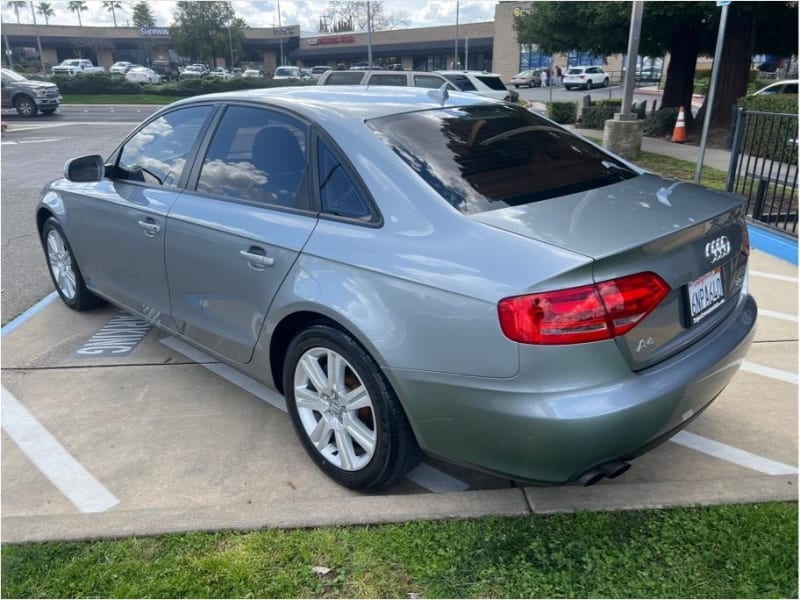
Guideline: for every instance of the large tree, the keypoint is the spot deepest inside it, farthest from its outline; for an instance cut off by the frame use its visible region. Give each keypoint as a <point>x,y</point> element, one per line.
<point>16,5</point>
<point>142,15</point>
<point>77,7</point>
<point>203,30</point>
<point>752,28</point>
<point>46,10</point>
<point>113,6</point>
<point>342,15</point>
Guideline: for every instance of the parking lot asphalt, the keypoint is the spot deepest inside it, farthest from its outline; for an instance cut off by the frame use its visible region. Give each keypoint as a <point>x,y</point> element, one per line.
<point>166,439</point>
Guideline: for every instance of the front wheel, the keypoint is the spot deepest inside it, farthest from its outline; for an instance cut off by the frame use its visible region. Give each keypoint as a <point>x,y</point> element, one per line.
<point>26,107</point>
<point>64,270</point>
<point>346,414</point>
<point>605,82</point>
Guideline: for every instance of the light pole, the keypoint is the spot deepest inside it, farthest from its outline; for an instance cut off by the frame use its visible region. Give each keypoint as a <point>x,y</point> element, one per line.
<point>280,30</point>
<point>369,35</point>
<point>455,45</point>
<point>230,44</point>
<point>712,86</point>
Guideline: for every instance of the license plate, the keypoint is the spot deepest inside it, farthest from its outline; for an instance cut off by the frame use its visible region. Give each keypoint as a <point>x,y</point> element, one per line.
<point>706,295</point>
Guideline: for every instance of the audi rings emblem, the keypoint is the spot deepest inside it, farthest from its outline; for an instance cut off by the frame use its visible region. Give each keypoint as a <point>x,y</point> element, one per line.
<point>718,249</point>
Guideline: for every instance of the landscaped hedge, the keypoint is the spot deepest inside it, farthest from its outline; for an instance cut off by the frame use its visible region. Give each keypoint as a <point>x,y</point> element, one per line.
<point>562,112</point>
<point>771,137</point>
<point>661,123</point>
<point>596,115</point>
<point>107,83</point>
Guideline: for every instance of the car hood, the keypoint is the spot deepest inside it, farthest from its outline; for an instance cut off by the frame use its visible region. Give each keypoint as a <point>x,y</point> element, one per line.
<point>35,84</point>
<point>610,219</point>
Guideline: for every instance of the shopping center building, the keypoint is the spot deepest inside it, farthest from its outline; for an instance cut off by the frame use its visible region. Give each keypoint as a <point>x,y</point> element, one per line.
<point>489,46</point>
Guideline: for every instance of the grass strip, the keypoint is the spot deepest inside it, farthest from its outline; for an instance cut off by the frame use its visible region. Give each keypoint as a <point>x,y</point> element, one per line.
<point>711,552</point>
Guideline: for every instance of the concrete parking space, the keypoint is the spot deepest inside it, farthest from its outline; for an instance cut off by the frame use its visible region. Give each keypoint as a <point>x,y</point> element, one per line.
<point>111,428</point>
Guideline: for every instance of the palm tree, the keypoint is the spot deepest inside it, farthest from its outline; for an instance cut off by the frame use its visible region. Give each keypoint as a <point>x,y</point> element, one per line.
<point>112,6</point>
<point>16,5</point>
<point>46,10</point>
<point>78,6</point>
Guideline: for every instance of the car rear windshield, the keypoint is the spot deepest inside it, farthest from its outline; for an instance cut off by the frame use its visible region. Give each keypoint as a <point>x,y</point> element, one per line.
<point>574,71</point>
<point>493,82</point>
<point>487,157</point>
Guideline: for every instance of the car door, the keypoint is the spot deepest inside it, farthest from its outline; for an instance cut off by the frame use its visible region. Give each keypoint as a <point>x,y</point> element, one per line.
<point>123,217</point>
<point>232,240</point>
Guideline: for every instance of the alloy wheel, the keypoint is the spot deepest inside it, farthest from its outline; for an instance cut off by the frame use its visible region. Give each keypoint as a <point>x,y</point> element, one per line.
<point>60,262</point>
<point>335,409</point>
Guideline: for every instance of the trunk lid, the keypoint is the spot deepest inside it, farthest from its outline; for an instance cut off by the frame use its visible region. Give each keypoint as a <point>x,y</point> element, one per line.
<point>695,239</point>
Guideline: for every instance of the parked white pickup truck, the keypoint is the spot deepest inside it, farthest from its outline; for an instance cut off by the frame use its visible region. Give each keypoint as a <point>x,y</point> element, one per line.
<point>76,66</point>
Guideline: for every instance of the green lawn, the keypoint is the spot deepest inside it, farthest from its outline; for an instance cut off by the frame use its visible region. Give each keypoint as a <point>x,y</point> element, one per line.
<point>118,99</point>
<point>715,552</point>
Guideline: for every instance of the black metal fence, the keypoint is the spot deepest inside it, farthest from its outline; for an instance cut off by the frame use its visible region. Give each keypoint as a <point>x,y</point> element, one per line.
<point>763,167</point>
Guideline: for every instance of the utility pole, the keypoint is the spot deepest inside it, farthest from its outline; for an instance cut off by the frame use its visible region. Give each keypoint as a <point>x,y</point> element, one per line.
<point>280,30</point>
<point>633,53</point>
<point>369,34</point>
<point>230,44</point>
<point>455,48</point>
<point>712,86</point>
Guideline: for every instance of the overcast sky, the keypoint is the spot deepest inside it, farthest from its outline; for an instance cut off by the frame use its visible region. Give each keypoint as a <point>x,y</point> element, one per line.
<point>306,13</point>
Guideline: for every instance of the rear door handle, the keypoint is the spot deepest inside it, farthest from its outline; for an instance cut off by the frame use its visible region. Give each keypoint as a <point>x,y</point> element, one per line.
<point>256,257</point>
<point>150,227</point>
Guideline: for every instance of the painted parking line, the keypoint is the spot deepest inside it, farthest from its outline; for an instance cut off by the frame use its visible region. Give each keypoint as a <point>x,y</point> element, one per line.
<point>69,476</point>
<point>17,321</point>
<point>770,372</point>
<point>733,455</point>
<point>774,314</point>
<point>766,275</point>
<point>426,476</point>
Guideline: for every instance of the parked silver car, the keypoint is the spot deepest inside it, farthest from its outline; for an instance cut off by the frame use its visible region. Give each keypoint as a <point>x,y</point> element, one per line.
<point>417,271</point>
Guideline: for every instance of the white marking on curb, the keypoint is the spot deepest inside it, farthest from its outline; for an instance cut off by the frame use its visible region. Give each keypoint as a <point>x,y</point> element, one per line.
<point>229,374</point>
<point>435,480</point>
<point>424,475</point>
<point>773,276</point>
<point>733,455</point>
<point>762,312</point>
<point>770,372</point>
<point>16,322</point>
<point>68,475</point>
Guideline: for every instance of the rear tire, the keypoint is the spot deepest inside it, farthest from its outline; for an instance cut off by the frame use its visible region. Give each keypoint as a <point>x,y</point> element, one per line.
<point>64,269</point>
<point>344,411</point>
<point>588,85</point>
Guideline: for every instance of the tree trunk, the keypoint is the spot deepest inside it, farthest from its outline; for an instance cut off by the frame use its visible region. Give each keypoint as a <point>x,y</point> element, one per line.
<point>734,67</point>
<point>680,72</point>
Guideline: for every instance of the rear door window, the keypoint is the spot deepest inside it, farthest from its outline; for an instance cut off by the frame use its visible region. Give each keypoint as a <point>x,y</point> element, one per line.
<point>384,79</point>
<point>345,78</point>
<point>340,196</point>
<point>494,83</point>
<point>462,82</point>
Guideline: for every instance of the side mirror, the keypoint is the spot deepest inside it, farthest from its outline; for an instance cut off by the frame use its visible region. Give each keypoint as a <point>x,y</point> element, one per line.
<point>85,168</point>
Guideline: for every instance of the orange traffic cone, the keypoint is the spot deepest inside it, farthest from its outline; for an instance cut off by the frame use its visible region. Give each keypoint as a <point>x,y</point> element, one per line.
<point>679,133</point>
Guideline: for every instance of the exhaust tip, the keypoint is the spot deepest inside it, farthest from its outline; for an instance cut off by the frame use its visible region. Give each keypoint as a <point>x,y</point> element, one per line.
<point>591,477</point>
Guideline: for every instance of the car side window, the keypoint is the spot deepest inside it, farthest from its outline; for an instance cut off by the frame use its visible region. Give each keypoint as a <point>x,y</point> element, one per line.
<point>384,79</point>
<point>158,152</point>
<point>461,82</point>
<point>345,78</point>
<point>790,88</point>
<point>427,81</point>
<point>338,192</point>
<point>257,155</point>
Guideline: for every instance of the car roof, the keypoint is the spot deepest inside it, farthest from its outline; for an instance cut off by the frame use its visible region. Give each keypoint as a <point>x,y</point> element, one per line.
<point>345,102</point>
<point>462,72</point>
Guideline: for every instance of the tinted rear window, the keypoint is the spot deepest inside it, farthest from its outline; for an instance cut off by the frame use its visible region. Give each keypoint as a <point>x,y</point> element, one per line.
<point>387,80</point>
<point>574,71</point>
<point>345,78</point>
<point>487,157</point>
<point>461,82</point>
<point>493,82</point>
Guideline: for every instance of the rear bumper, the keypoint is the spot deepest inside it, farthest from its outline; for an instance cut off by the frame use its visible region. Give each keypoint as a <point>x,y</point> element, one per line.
<point>521,429</point>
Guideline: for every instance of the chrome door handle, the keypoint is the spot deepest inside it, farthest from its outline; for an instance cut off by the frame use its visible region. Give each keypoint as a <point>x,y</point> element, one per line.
<point>150,228</point>
<point>254,259</point>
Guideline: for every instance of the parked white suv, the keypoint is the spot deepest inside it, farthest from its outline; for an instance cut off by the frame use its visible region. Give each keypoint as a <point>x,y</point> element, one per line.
<point>585,77</point>
<point>422,79</point>
<point>480,82</point>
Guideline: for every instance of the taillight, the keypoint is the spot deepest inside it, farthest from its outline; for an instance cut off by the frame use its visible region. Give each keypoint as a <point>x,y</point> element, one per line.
<point>581,76</point>
<point>587,313</point>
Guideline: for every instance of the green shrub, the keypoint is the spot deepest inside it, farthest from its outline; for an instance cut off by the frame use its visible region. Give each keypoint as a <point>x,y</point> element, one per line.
<point>595,117</point>
<point>95,83</point>
<point>661,123</point>
<point>771,137</point>
<point>211,85</point>
<point>562,112</point>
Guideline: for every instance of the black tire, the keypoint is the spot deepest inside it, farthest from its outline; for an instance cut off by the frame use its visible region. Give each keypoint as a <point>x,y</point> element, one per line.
<point>26,107</point>
<point>605,82</point>
<point>567,87</point>
<point>516,86</point>
<point>81,299</point>
<point>588,85</point>
<point>395,450</point>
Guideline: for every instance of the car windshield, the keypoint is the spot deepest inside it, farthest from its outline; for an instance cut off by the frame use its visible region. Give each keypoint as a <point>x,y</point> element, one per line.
<point>523,74</point>
<point>285,71</point>
<point>13,75</point>
<point>487,157</point>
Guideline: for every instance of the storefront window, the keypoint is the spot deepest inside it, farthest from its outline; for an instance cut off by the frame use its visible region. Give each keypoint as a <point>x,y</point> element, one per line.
<point>531,58</point>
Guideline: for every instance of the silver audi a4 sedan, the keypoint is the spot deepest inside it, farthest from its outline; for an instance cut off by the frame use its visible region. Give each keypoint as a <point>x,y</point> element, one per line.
<point>417,272</point>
